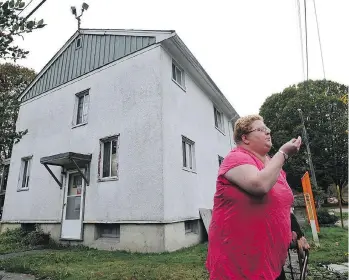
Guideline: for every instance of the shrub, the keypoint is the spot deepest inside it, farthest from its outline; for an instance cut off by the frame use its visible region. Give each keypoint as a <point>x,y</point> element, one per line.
<point>325,218</point>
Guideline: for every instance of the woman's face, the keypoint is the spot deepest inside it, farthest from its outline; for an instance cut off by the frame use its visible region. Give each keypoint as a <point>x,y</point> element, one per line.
<point>258,137</point>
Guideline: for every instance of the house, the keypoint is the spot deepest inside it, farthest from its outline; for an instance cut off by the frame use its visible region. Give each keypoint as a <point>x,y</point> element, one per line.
<point>126,132</point>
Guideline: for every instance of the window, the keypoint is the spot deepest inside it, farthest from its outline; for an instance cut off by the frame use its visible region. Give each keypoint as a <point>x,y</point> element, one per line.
<point>23,182</point>
<point>78,43</point>
<point>81,107</point>
<point>220,160</point>
<point>218,120</point>
<point>178,75</point>
<point>109,158</point>
<point>191,227</point>
<point>109,230</point>
<point>4,170</point>
<point>188,149</point>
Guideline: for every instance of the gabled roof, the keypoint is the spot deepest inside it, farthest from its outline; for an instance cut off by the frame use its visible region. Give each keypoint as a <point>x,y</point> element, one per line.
<point>99,47</point>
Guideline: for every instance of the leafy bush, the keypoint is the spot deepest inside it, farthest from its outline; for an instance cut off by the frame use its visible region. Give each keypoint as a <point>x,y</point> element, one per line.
<point>21,239</point>
<point>325,218</point>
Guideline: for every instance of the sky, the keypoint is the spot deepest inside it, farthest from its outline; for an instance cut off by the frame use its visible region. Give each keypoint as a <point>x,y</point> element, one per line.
<point>251,48</point>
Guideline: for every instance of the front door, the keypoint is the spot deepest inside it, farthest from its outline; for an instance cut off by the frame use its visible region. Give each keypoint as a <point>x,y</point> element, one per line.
<point>73,207</point>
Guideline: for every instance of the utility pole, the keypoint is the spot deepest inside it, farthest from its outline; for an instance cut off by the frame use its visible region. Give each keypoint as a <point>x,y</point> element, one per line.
<point>312,171</point>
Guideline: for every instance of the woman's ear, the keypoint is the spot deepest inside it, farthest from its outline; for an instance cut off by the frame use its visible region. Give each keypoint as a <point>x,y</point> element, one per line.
<point>245,140</point>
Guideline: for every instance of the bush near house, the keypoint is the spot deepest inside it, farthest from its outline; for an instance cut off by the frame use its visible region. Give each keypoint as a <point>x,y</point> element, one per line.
<point>22,240</point>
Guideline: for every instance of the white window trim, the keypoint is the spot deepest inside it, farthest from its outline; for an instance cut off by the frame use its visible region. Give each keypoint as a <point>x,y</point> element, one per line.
<point>101,153</point>
<point>76,43</point>
<point>182,73</point>
<point>76,105</point>
<point>221,130</point>
<point>192,143</point>
<point>20,178</point>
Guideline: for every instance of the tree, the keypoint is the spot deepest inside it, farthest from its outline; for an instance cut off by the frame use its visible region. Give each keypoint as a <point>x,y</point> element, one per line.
<point>326,123</point>
<point>13,80</point>
<point>12,25</point>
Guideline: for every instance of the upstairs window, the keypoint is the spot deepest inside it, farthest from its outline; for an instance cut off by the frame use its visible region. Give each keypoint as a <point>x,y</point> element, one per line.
<point>82,102</point>
<point>178,75</point>
<point>78,43</point>
<point>219,120</point>
<point>109,158</point>
<point>24,174</point>
<point>188,150</point>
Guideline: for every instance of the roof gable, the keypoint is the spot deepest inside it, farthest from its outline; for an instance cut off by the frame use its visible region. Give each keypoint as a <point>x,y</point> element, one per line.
<point>89,50</point>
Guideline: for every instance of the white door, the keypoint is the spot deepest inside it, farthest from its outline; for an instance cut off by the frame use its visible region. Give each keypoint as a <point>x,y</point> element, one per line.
<point>73,207</point>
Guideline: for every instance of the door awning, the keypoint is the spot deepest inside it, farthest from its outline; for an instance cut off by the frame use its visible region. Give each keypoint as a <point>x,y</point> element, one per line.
<point>68,161</point>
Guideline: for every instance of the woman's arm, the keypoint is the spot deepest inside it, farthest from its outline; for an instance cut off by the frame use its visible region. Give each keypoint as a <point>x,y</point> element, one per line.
<point>255,181</point>
<point>259,182</point>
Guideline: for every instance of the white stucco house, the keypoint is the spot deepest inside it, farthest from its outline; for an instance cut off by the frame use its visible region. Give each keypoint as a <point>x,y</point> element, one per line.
<point>126,132</point>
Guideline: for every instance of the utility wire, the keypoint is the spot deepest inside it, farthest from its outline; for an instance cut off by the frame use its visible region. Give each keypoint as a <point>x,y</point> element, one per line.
<point>301,36</point>
<point>25,7</point>
<point>306,37</point>
<point>318,33</point>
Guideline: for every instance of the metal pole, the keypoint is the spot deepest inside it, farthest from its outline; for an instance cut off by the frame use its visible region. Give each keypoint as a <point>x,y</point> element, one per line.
<point>312,171</point>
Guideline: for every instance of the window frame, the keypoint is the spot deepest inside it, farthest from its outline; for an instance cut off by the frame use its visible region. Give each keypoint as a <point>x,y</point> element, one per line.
<point>76,43</point>
<point>191,227</point>
<point>187,142</point>
<point>20,187</point>
<point>3,184</point>
<point>101,158</point>
<point>79,95</point>
<point>217,113</point>
<point>101,227</point>
<point>175,66</point>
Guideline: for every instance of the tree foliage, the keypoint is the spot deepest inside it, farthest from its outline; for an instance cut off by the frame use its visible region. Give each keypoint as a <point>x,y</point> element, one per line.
<point>13,80</point>
<point>326,122</point>
<point>12,26</point>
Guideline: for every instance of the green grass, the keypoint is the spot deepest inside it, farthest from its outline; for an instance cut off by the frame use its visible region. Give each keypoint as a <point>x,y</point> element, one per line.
<point>92,264</point>
<point>85,264</point>
<point>333,245</point>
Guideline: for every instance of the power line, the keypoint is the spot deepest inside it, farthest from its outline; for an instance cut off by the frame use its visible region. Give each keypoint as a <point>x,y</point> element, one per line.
<point>34,10</point>
<point>25,7</point>
<point>318,33</point>
<point>306,38</point>
<point>301,36</point>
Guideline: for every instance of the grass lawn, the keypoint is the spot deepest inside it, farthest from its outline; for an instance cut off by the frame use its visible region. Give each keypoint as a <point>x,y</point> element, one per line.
<point>93,264</point>
<point>333,245</point>
<point>80,263</point>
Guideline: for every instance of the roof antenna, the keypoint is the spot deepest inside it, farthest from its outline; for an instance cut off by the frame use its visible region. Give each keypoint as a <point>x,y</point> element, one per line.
<point>84,7</point>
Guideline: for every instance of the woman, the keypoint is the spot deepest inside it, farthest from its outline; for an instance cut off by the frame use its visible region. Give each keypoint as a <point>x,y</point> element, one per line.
<point>250,230</point>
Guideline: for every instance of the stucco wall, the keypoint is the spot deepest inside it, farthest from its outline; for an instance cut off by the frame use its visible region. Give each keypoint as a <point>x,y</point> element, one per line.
<point>189,113</point>
<point>125,99</point>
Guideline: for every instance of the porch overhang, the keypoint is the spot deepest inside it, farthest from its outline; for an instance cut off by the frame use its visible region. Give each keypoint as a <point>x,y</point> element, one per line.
<point>68,160</point>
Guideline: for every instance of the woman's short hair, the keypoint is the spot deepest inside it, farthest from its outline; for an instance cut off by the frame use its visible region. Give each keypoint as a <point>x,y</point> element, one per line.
<point>243,125</point>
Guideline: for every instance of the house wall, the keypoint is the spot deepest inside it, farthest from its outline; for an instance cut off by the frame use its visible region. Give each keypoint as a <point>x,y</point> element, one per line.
<point>125,99</point>
<point>189,113</point>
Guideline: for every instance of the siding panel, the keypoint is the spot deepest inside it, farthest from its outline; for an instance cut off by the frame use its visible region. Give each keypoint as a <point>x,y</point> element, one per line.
<point>96,51</point>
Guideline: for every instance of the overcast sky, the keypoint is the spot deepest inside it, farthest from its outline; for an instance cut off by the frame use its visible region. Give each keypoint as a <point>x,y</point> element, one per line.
<point>250,48</point>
